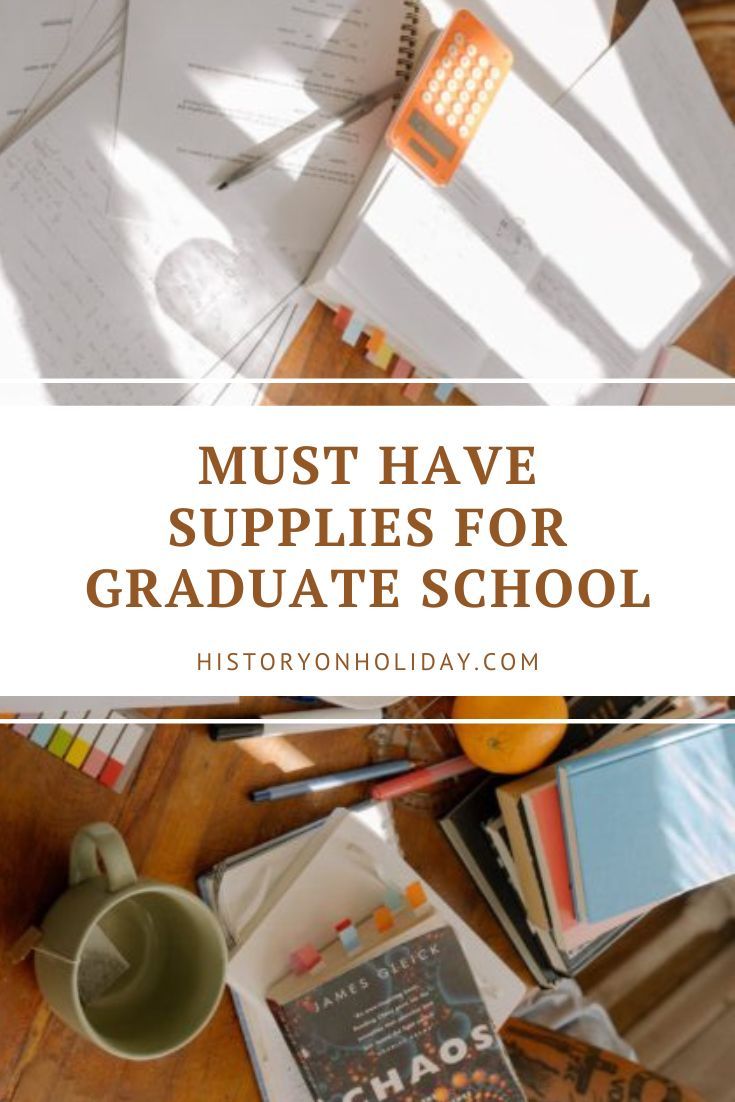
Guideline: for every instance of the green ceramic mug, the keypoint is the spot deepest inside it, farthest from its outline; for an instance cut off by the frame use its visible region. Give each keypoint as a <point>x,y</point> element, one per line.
<point>135,966</point>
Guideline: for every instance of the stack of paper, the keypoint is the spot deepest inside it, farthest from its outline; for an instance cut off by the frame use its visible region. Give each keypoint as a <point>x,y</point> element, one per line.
<point>269,908</point>
<point>85,296</point>
<point>122,263</point>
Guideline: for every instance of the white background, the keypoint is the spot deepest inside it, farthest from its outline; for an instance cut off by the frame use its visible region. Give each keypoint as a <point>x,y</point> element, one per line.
<point>645,488</point>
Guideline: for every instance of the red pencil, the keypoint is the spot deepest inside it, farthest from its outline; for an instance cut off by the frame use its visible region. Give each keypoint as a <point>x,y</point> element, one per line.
<point>422,778</point>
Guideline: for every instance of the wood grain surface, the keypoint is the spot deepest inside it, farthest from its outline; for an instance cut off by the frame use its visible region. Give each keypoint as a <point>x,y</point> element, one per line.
<point>187,809</point>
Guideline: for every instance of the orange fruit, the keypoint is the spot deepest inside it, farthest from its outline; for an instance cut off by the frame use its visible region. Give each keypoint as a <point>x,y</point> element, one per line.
<point>510,748</point>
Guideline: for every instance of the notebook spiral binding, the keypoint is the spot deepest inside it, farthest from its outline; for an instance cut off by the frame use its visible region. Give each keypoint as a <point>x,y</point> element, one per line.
<point>408,40</point>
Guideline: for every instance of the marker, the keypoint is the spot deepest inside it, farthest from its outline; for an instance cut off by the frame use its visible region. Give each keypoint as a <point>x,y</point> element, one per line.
<point>423,778</point>
<point>297,723</point>
<point>332,780</point>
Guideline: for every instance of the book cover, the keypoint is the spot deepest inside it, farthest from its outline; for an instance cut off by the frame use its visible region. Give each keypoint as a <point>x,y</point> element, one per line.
<point>543,814</point>
<point>409,1024</point>
<point>650,820</point>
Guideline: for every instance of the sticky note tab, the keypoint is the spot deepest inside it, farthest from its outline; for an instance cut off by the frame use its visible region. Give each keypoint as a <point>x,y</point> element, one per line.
<point>304,960</point>
<point>85,739</point>
<point>21,727</point>
<point>349,937</point>
<point>443,391</point>
<point>402,369</point>
<point>415,895</point>
<point>342,318</point>
<point>103,747</point>
<point>77,752</point>
<point>382,357</point>
<point>394,898</point>
<point>414,391</point>
<point>353,330</point>
<point>383,919</point>
<point>62,740</point>
<point>376,341</point>
<point>121,754</point>
<point>42,734</point>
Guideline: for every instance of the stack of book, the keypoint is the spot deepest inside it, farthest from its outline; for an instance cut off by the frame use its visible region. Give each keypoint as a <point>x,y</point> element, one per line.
<point>570,856</point>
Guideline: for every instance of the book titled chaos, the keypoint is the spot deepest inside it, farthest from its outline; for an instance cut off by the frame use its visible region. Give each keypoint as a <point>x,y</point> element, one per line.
<point>408,1024</point>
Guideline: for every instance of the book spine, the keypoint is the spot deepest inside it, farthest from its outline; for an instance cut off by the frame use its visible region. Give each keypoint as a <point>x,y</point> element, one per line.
<point>535,904</point>
<point>651,744</point>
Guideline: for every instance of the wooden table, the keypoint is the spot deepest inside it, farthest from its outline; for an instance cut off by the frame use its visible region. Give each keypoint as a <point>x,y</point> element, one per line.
<point>187,809</point>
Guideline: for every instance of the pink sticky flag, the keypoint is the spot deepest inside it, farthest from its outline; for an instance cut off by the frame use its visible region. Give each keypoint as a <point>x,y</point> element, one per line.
<point>402,369</point>
<point>413,391</point>
<point>342,318</point>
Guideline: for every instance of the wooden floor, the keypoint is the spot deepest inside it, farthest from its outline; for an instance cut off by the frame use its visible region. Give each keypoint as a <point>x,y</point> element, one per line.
<point>670,989</point>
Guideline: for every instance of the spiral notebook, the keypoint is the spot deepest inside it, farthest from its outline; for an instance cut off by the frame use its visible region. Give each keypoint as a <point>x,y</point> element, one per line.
<point>226,76</point>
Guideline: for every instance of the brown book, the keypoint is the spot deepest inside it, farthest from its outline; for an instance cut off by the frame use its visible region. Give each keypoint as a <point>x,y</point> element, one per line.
<point>554,1067</point>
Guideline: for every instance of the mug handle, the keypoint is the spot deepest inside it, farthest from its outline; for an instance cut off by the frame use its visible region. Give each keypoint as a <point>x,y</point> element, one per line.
<point>95,841</point>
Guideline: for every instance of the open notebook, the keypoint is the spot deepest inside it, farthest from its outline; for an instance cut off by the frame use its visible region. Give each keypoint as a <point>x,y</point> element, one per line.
<point>551,252</point>
<point>268,907</point>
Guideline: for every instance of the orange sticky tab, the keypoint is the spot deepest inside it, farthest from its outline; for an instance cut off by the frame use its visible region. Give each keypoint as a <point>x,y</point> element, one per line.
<point>383,919</point>
<point>376,340</point>
<point>415,895</point>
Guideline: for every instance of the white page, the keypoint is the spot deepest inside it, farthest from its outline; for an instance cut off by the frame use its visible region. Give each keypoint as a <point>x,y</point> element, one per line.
<point>665,389</point>
<point>85,296</point>
<point>649,108</point>
<point>349,871</point>
<point>225,76</point>
<point>552,43</point>
<point>537,260</point>
<point>34,36</point>
<point>94,37</point>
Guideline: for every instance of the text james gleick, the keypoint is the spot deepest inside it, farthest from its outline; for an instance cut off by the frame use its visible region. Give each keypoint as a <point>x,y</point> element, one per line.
<point>355,661</point>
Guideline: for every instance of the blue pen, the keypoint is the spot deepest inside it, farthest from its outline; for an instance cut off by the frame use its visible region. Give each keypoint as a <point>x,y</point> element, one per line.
<point>332,780</point>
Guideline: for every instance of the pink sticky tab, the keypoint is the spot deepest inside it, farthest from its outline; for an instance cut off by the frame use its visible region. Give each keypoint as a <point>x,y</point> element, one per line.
<point>413,391</point>
<point>402,369</point>
<point>304,959</point>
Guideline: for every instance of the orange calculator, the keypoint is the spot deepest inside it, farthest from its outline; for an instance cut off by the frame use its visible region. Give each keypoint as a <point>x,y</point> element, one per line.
<point>446,103</point>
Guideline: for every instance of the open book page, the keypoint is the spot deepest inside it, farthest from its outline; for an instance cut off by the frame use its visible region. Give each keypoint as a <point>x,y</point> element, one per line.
<point>351,869</point>
<point>85,296</point>
<point>648,107</point>
<point>496,275</point>
<point>35,34</point>
<point>95,35</point>
<point>227,76</point>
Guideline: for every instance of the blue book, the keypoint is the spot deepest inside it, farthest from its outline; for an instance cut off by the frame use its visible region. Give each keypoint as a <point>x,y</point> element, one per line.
<point>651,819</point>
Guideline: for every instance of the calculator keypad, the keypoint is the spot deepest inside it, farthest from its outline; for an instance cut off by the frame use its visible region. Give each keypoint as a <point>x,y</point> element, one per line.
<point>449,98</point>
<point>466,90</point>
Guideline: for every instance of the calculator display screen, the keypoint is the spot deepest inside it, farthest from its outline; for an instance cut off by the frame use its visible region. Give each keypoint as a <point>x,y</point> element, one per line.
<point>431,134</point>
